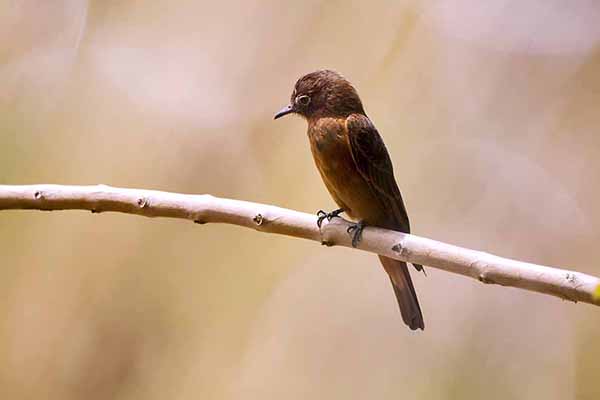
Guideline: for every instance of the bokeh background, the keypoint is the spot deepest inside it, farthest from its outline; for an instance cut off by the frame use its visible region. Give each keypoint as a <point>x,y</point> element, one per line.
<point>491,114</point>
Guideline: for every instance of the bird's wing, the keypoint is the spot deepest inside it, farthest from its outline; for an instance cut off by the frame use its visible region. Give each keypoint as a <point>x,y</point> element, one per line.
<point>373,162</point>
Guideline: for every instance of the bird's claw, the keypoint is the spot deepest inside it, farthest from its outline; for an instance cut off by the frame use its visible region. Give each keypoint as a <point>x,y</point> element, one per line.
<point>321,215</point>
<point>356,231</point>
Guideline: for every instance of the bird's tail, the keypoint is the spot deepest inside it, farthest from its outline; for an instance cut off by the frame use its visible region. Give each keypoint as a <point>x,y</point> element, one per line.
<point>405,292</point>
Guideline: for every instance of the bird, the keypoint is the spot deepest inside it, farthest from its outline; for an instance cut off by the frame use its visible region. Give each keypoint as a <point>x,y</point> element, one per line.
<point>356,168</point>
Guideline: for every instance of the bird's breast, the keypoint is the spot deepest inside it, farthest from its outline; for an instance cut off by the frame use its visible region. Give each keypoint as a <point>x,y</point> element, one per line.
<point>329,145</point>
<point>333,158</point>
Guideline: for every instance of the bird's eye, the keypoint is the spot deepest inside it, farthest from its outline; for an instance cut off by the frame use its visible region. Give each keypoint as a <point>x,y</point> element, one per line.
<point>303,100</point>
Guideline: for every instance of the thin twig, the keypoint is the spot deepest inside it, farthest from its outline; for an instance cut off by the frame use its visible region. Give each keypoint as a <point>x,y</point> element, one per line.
<point>486,268</point>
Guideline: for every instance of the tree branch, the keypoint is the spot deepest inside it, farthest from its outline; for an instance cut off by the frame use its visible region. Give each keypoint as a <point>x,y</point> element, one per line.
<point>486,268</point>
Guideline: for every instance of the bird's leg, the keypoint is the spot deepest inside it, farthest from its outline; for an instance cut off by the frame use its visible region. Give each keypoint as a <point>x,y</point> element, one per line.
<point>356,231</point>
<point>329,215</point>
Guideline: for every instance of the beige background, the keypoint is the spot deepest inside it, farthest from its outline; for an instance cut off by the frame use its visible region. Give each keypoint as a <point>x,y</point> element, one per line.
<point>490,111</point>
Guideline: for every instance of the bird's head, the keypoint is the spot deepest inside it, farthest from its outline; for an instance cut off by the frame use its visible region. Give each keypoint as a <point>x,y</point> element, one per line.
<point>323,93</point>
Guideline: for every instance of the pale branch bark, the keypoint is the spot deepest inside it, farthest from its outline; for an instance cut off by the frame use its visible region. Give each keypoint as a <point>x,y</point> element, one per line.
<point>487,268</point>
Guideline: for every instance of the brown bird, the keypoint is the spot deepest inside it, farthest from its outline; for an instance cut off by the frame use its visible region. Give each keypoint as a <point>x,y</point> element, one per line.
<point>356,168</point>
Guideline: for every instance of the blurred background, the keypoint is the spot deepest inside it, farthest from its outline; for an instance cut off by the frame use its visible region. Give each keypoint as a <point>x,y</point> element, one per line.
<point>490,111</point>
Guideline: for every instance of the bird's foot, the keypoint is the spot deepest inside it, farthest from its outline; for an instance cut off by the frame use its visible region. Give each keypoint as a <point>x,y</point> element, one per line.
<point>321,215</point>
<point>356,231</point>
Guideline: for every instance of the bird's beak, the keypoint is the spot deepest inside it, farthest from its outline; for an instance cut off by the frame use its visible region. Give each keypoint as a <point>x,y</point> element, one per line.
<point>284,111</point>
